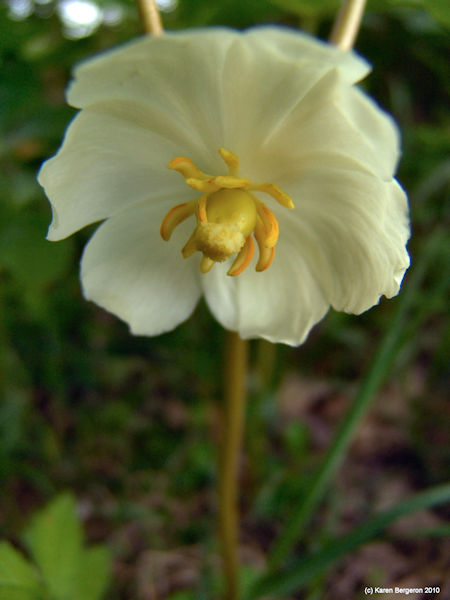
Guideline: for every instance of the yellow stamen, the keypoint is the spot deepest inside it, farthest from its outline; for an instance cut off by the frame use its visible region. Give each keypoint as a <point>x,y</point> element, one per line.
<point>187,168</point>
<point>230,159</point>
<point>202,209</point>
<point>206,186</point>
<point>265,259</point>
<point>266,253</point>
<point>227,216</point>
<point>206,264</point>
<point>270,224</point>
<point>276,193</point>
<point>230,183</point>
<point>174,217</point>
<point>190,247</point>
<point>244,258</point>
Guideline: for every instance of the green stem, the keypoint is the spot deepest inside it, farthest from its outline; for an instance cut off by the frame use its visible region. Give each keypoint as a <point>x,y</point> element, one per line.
<point>232,434</point>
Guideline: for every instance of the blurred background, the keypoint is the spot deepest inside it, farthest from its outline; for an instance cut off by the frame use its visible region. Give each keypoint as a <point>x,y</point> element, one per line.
<point>129,424</point>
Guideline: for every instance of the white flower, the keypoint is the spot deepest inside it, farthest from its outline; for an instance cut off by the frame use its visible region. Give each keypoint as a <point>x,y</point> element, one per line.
<point>282,104</point>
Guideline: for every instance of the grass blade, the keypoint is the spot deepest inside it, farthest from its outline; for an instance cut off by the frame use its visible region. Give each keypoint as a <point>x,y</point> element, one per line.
<point>292,579</point>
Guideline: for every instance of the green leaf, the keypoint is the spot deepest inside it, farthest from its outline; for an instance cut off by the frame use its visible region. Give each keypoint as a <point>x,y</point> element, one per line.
<point>95,571</point>
<point>55,541</point>
<point>292,579</point>
<point>18,579</point>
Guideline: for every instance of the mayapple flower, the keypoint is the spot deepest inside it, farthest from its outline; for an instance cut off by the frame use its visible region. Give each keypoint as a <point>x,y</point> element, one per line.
<point>279,200</point>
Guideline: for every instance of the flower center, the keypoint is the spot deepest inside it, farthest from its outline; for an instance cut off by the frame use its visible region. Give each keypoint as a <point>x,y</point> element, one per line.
<point>227,215</point>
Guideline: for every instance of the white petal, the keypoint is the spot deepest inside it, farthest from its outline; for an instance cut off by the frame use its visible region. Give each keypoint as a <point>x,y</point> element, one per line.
<point>280,304</point>
<point>331,124</point>
<point>131,272</point>
<point>297,46</point>
<point>260,91</point>
<point>352,229</point>
<point>377,127</point>
<point>223,87</point>
<point>175,74</point>
<point>114,154</point>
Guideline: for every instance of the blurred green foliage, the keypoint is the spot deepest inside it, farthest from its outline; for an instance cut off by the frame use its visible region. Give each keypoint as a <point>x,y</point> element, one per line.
<point>63,569</point>
<point>129,424</point>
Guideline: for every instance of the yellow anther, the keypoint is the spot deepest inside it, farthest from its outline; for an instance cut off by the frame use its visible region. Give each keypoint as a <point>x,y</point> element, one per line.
<point>275,192</point>
<point>244,258</point>
<point>270,224</point>
<point>227,216</point>
<point>230,159</point>
<point>190,247</point>
<point>232,183</point>
<point>206,186</point>
<point>265,259</point>
<point>266,254</point>
<point>187,168</point>
<point>174,217</point>
<point>201,208</point>
<point>206,264</point>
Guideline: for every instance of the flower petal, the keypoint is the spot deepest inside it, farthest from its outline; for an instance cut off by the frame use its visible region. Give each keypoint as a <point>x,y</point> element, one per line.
<point>280,304</point>
<point>176,74</point>
<point>352,228</point>
<point>130,271</point>
<point>338,122</point>
<point>223,87</point>
<point>180,94</point>
<point>259,91</point>
<point>114,154</point>
<point>301,47</point>
<point>283,102</point>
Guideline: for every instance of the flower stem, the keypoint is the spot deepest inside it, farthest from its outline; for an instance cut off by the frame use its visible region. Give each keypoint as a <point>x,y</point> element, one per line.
<point>232,433</point>
<point>150,17</point>
<point>347,24</point>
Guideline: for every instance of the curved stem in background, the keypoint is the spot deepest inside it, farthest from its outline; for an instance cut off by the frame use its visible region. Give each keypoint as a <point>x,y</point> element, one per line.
<point>236,355</point>
<point>347,24</point>
<point>150,17</point>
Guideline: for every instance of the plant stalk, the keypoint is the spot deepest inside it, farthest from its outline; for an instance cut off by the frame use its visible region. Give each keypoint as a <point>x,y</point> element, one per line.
<point>150,17</point>
<point>236,355</point>
<point>347,24</point>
